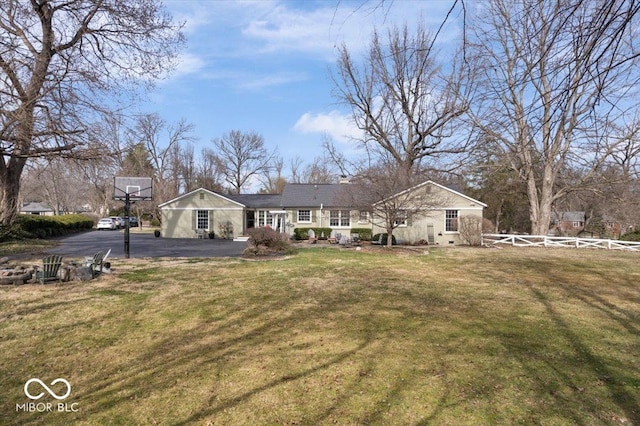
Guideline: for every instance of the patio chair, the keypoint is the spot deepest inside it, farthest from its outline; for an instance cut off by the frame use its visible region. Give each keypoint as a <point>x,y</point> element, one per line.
<point>96,263</point>
<point>333,237</point>
<point>355,240</point>
<point>50,268</point>
<point>312,236</point>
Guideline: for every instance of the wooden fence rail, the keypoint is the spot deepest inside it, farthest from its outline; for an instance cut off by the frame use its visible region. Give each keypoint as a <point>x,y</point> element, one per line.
<point>547,241</point>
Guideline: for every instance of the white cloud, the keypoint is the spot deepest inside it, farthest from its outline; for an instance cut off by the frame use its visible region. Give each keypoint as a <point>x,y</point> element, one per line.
<point>284,28</point>
<point>188,63</point>
<point>253,82</point>
<point>339,126</point>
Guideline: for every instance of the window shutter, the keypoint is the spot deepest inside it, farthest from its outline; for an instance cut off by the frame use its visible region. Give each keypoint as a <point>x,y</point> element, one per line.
<point>314,216</point>
<point>295,216</point>
<point>210,224</point>
<point>194,220</point>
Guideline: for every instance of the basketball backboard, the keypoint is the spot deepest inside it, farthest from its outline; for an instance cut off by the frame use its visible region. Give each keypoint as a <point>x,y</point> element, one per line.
<point>138,188</point>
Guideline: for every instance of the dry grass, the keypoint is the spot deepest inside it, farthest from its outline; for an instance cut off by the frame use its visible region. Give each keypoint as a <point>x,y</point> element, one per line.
<point>332,336</point>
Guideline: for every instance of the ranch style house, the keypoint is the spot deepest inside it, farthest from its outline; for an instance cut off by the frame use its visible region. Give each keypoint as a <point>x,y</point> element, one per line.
<point>202,211</point>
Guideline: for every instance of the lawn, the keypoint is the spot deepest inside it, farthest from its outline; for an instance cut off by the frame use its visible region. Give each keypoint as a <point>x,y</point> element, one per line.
<point>332,336</point>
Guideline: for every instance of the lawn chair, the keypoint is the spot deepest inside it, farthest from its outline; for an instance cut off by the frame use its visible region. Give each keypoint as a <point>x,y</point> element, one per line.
<point>355,240</point>
<point>50,267</point>
<point>333,239</point>
<point>312,237</point>
<point>95,263</point>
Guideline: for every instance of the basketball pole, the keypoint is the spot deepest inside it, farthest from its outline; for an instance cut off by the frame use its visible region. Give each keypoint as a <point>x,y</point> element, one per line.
<point>127,209</point>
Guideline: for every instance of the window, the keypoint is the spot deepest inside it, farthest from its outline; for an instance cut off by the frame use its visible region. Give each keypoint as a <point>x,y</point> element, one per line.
<point>363,216</point>
<point>265,218</point>
<point>339,218</point>
<point>451,221</point>
<point>401,218</point>
<point>202,219</point>
<point>304,216</point>
<point>577,224</point>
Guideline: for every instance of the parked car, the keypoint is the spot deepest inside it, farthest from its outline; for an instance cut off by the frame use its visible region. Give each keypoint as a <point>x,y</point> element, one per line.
<point>118,220</point>
<point>133,222</point>
<point>106,223</point>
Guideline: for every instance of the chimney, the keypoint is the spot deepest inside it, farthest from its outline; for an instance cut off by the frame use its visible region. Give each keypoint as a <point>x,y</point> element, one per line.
<point>344,179</point>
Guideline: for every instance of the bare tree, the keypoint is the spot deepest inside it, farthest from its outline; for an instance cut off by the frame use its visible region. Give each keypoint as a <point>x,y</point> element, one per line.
<point>273,180</point>
<point>162,143</point>
<point>208,173</point>
<point>59,183</point>
<point>390,200</point>
<point>555,78</point>
<point>57,61</point>
<point>242,156</point>
<point>402,100</point>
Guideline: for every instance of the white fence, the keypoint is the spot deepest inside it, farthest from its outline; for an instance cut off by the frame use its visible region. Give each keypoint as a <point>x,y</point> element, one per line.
<point>546,241</point>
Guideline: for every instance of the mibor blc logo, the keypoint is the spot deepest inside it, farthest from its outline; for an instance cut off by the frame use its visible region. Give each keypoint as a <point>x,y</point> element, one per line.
<point>35,389</point>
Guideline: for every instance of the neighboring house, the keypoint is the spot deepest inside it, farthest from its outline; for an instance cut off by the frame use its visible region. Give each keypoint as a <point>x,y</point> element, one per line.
<point>306,206</point>
<point>567,223</point>
<point>613,227</point>
<point>37,209</point>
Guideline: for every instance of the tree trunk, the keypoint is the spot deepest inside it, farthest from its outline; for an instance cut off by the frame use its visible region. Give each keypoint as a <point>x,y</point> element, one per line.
<point>540,202</point>
<point>10,189</point>
<point>389,235</point>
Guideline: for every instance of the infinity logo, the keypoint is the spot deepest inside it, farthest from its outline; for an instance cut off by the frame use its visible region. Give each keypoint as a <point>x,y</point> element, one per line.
<point>41,394</point>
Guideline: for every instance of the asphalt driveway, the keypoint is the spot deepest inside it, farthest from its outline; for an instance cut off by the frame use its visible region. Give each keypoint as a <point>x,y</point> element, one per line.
<point>145,245</point>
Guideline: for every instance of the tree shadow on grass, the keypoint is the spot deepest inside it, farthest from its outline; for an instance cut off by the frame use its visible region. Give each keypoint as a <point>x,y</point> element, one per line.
<point>191,351</point>
<point>601,369</point>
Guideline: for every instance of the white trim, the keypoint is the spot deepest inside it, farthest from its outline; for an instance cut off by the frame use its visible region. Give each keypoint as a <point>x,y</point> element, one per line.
<point>439,186</point>
<point>297,213</point>
<point>203,208</point>
<point>457,218</point>
<point>215,194</point>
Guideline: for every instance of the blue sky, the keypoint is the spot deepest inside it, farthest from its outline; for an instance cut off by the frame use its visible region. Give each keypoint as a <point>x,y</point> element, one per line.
<point>264,66</point>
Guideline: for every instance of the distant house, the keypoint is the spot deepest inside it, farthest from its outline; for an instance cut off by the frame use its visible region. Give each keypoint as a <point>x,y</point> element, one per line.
<point>306,206</point>
<point>567,223</point>
<point>37,209</point>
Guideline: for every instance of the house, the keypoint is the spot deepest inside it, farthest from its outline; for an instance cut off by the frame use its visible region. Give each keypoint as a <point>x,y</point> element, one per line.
<point>433,213</point>
<point>314,205</point>
<point>36,209</point>
<point>567,223</point>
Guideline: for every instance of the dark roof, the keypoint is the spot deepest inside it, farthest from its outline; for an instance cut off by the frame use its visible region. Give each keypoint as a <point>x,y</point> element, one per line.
<point>259,201</point>
<point>35,208</point>
<point>312,195</point>
<point>568,216</point>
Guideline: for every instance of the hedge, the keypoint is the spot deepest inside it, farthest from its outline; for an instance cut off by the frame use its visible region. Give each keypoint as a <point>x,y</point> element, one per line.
<point>36,226</point>
<point>365,233</point>
<point>303,233</point>
<point>631,236</point>
<point>383,238</point>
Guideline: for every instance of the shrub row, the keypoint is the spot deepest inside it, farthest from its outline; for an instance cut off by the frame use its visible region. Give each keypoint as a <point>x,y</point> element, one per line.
<point>631,236</point>
<point>35,226</point>
<point>323,233</point>
<point>364,233</point>
<point>384,238</point>
<point>303,233</point>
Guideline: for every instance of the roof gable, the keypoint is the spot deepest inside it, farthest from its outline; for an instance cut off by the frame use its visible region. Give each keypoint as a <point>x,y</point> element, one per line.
<point>441,187</point>
<point>185,197</point>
